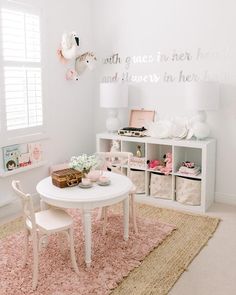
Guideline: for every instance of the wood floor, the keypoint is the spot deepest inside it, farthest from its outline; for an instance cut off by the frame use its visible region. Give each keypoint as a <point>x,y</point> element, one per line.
<point>213,271</point>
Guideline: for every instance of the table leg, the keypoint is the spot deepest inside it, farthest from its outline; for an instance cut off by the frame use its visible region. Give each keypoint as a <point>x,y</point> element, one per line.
<point>126,218</point>
<point>87,236</point>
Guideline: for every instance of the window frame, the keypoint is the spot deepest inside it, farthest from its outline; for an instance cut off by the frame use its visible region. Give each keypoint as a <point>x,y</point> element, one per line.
<point>27,134</point>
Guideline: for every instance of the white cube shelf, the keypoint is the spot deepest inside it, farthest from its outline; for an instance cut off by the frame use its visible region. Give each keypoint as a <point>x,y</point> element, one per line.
<point>201,152</point>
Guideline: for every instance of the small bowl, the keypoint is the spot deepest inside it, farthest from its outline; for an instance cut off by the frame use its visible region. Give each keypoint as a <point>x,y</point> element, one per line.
<point>103,179</point>
<point>94,175</point>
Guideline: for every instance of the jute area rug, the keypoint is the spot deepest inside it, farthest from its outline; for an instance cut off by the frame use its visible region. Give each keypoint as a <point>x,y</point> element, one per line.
<point>162,267</point>
<point>160,270</point>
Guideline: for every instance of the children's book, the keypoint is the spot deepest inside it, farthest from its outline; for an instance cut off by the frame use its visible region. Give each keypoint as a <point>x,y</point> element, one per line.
<point>11,157</point>
<point>24,160</point>
<point>36,152</point>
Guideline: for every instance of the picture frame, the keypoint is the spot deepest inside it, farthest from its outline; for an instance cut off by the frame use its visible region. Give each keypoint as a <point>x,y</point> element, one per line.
<point>141,118</point>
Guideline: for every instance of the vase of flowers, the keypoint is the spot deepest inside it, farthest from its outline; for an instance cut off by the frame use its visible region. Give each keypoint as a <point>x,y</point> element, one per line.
<point>83,163</point>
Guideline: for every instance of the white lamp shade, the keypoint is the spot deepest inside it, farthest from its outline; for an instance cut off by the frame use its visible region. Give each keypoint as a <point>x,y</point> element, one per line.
<point>113,95</point>
<point>202,96</point>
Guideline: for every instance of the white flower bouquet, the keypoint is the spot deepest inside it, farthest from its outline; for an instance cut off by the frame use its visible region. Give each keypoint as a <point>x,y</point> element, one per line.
<point>83,163</point>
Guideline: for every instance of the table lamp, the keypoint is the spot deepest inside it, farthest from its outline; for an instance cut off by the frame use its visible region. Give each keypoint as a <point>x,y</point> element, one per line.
<point>113,96</point>
<point>202,97</point>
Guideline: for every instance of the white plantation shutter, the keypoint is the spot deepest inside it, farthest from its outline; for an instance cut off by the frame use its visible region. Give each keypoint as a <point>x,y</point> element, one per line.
<point>20,36</point>
<point>21,57</point>
<point>23,97</point>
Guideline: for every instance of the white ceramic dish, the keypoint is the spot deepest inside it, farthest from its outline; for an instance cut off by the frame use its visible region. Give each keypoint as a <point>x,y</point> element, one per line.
<point>81,185</point>
<point>104,183</point>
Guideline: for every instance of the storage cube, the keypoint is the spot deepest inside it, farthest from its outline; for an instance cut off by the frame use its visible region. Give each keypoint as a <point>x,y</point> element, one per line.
<point>188,191</point>
<point>161,186</point>
<point>138,179</point>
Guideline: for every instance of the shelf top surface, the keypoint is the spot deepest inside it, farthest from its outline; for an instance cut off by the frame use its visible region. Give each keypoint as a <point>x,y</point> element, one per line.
<point>4,173</point>
<point>148,139</point>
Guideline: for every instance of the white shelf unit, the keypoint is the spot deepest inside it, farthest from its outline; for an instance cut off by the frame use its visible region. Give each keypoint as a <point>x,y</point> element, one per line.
<point>201,152</point>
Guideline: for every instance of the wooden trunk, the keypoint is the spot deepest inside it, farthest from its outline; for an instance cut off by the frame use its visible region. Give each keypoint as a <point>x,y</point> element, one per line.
<point>66,177</point>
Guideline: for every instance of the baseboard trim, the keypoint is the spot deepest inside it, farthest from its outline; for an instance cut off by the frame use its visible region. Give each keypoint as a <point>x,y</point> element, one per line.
<point>11,210</point>
<point>225,198</point>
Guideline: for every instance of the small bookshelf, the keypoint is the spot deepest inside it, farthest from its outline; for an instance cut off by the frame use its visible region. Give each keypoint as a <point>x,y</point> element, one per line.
<point>21,169</point>
<point>18,158</point>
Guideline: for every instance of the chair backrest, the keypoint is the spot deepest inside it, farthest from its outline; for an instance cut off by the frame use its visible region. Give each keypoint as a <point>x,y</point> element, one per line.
<point>27,203</point>
<point>116,160</point>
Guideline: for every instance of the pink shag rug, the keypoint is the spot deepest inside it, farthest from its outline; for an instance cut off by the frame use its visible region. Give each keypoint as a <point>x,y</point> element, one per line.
<point>113,259</point>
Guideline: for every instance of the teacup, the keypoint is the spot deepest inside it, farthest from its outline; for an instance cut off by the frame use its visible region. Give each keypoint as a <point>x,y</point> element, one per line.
<point>94,175</point>
<point>86,181</point>
<point>103,179</point>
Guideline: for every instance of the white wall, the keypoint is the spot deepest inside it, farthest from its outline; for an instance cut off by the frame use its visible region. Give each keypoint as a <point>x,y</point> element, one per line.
<point>138,28</point>
<point>67,104</point>
<point>134,28</point>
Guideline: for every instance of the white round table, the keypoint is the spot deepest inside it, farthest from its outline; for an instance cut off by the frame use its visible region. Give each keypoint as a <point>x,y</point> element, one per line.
<point>87,199</point>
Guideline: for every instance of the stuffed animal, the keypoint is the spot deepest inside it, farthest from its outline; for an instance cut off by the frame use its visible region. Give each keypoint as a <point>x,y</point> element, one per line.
<point>115,147</point>
<point>69,45</point>
<point>154,164</point>
<point>82,62</point>
<point>167,169</point>
<point>72,75</point>
<point>85,61</point>
<point>62,59</point>
<point>68,48</point>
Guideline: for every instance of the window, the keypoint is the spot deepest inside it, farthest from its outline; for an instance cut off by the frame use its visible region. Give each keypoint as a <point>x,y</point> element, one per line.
<point>21,71</point>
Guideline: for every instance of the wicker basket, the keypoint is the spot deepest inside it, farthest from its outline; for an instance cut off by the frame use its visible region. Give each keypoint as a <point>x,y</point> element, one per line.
<point>188,191</point>
<point>161,186</point>
<point>66,177</point>
<point>138,179</point>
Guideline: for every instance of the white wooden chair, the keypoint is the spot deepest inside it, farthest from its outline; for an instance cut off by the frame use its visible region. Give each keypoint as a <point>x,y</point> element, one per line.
<point>116,161</point>
<point>42,224</point>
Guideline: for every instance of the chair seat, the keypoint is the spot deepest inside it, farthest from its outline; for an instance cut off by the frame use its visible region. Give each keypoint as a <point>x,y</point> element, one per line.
<point>52,220</point>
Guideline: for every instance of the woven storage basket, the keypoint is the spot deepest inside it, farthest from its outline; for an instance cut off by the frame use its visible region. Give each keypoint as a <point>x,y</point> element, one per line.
<point>161,186</point>
<point>138,179</point>
<point>188,191</point>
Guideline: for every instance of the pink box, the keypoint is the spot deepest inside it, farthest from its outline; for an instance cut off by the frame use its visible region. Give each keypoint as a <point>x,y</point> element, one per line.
<point>140,118</point>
